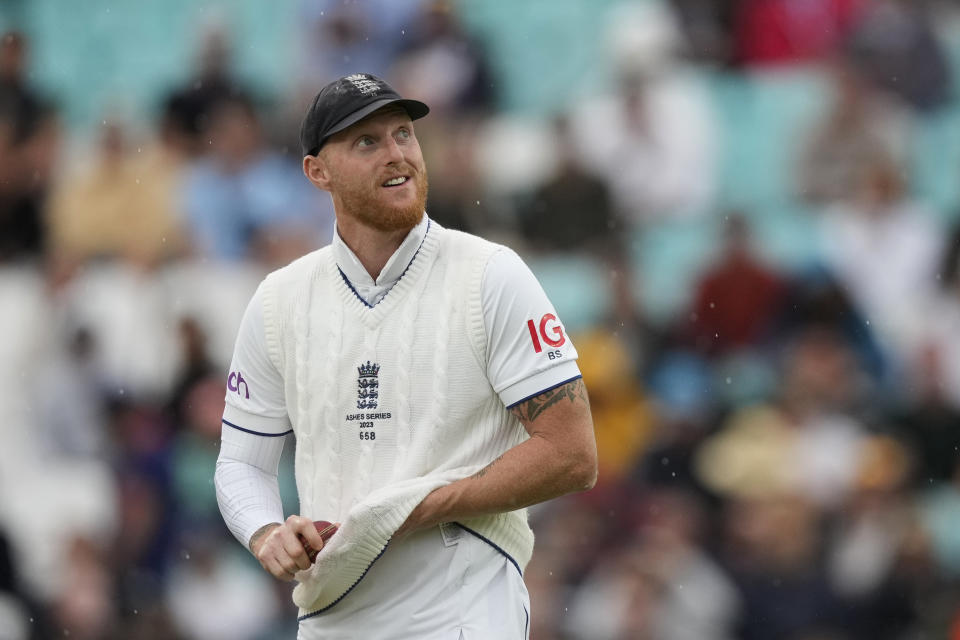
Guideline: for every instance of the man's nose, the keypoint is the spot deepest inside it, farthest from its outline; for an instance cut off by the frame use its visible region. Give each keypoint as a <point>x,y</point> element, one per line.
<point>394,152</point>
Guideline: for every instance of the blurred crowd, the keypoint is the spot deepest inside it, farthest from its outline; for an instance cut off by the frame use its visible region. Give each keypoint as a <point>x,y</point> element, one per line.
<point>778,452</point>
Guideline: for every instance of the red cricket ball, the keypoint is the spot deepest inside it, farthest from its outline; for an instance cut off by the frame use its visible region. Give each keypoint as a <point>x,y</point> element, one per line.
<point>326,530</point>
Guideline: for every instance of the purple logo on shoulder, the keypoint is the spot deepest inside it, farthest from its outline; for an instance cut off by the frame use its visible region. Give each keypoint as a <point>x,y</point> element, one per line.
<point>234,381</point>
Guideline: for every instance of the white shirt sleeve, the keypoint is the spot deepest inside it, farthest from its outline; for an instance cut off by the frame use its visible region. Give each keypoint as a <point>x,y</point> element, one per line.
<point>255,400</point>
<point>248,491</point>
<point>529,349</point>
<point>255,424</point>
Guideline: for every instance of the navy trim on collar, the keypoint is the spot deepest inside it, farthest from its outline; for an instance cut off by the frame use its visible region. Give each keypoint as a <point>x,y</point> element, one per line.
<point>350,284</point>
<point>407,268</point>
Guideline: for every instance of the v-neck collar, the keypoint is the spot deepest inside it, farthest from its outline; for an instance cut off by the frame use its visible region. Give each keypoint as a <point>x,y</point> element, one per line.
<point>360,286</point>
<point>363,285</point>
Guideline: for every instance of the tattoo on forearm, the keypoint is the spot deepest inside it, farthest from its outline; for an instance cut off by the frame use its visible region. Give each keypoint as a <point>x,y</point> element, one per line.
<point>573,391</point>
<point>483,472</point>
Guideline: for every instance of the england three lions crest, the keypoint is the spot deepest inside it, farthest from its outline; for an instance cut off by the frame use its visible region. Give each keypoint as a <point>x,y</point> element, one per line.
<point>368,385</point>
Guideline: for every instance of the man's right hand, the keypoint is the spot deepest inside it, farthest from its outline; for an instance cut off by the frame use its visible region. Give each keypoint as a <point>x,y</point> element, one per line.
<point>279,549</point>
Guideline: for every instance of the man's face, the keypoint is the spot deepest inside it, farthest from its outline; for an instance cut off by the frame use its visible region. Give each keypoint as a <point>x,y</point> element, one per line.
<point>374,171</point>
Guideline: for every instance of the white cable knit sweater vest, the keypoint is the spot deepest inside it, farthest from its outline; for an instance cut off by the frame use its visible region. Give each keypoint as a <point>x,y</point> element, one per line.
<point>387,403</point>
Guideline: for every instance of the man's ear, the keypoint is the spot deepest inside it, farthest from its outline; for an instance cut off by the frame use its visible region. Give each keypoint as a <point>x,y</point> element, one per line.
<point>316,171</point>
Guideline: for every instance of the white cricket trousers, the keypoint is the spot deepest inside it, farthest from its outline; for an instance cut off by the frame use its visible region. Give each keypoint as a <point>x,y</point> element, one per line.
<point>432,585</point>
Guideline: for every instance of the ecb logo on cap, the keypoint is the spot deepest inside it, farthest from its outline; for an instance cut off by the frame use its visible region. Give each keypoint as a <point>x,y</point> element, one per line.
<point>364,83</point>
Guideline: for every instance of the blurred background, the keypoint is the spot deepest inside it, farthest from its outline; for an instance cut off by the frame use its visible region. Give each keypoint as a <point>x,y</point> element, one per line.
<point>747,213</point>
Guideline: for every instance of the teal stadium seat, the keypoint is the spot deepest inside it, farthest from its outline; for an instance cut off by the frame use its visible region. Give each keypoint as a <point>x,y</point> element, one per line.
<point>102,53</point>
<point>935,161</point>
<point>763,117</point>
<point>667,258</point>
<point>543,51</point>
<point>578,286</point>
<point>936,142</point>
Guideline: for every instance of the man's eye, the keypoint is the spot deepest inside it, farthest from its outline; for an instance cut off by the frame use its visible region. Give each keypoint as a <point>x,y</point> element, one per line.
<point>403,134</point>
<point>365,141</point>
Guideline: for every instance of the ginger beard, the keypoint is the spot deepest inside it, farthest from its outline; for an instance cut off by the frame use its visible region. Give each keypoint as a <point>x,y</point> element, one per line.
<point>367,204</point>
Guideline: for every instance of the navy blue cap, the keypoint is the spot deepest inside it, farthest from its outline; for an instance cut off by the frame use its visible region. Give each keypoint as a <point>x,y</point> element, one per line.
<point>346,101</point>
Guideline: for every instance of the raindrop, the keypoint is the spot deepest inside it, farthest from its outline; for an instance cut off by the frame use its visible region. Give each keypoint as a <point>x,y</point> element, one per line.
<point>664,461</point>
<point>136,611</point>
<point>122,391</point>
<point>713,305</point>
<point>139,150</point>
<point>403,32</point>
<point>478,203</point>
<point>138,180</point>
<point>729,380</point>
